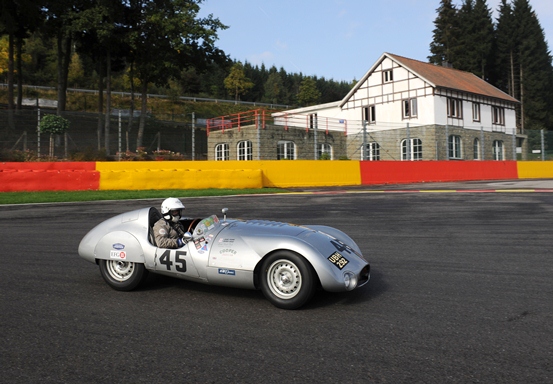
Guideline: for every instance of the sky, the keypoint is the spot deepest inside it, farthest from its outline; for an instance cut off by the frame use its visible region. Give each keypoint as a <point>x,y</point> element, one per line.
<point>334,39</point>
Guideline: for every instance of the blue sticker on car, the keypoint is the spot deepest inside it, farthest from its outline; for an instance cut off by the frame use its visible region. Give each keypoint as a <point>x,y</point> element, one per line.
<point>230,272</point>
<point>118,246</point>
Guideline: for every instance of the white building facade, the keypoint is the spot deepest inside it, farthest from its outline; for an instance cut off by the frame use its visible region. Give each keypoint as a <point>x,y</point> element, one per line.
<point>404,109</point>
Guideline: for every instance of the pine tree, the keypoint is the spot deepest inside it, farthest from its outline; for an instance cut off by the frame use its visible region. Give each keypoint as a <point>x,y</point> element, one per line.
<point>505,43</point>
<point>445,34</point>
<point>483,38</point>
<point>534,72</point>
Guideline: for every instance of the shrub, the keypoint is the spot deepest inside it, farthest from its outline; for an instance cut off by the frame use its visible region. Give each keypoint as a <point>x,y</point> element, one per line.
<point>54,124</point>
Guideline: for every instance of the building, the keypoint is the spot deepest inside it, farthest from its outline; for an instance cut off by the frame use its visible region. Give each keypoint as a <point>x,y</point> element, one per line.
<point>401,109</point>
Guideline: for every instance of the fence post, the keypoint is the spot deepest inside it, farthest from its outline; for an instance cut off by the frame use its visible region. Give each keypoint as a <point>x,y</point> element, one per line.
<point>38,133</point>
<point>408,142</point>
<point>514,145</point>
<point>315,125</point>
<point>542,145</point>
<point>193,132</point>
<point>447,141</point>
<point>364,148</point>
<point>258,118</point>
<point>119,144</point>
<point>482,144</point>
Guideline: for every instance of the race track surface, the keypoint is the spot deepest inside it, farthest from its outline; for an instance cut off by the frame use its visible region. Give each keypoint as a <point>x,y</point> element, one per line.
<point>461,292</point>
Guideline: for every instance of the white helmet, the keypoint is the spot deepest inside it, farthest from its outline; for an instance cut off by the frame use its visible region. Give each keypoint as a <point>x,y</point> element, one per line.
<point>169,205</point>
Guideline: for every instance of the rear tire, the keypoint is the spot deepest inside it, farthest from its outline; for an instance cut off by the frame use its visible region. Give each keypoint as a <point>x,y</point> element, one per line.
<point>287,280</point>
<point>123,275</point>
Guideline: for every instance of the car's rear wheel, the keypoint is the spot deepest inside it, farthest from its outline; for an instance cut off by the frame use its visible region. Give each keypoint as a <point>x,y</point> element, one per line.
<point>287,280</point>
<point>123,275</point>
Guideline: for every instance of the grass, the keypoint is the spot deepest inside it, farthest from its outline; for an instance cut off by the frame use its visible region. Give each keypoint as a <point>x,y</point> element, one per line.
<point>63,196</point>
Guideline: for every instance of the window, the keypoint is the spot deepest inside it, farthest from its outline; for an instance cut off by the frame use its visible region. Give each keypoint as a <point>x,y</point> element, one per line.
<point>369,114</point>
<point>222,152</point>
<point>411,149</point>
<point>475,112</point>
<point>324,151</point>
<point>454,147</point>
<point>372,152</point>
<point>476,149</point>
<point>387,76</point>
<point>286,150</point>
<point>454,108</point>
<point>244,150</point>
<point>409,108</point>
<point>498,150</point>
<point>313,121</point>
<point>498,116</point>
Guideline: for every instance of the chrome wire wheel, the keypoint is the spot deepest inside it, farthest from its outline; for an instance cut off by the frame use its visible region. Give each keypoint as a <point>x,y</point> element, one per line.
<point>284,279</point>
<point>120,270</point>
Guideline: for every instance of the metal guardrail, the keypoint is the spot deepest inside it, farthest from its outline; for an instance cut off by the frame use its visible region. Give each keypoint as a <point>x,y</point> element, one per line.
<point>186,98</point>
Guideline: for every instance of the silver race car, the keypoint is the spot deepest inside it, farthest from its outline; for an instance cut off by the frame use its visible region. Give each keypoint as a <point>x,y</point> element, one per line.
<point>286,262</point>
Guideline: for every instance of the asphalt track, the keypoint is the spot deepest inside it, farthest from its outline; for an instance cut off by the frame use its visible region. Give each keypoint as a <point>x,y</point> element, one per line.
<point>461,292</point>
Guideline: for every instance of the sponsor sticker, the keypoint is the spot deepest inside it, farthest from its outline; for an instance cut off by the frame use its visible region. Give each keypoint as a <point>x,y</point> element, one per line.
<point>118,246</point>
<point>229,272</point>
<point>338,260</point>
<point>118,255</point>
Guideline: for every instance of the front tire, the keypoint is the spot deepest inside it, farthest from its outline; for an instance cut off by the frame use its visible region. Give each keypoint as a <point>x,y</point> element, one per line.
<point>123,275</point>
<point>287,280</point>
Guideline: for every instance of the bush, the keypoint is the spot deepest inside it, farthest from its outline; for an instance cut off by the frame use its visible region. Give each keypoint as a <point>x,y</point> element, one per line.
<point>54,124</point>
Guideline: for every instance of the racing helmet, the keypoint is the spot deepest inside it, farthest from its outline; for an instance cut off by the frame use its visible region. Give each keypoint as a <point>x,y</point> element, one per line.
<point>169,206</point>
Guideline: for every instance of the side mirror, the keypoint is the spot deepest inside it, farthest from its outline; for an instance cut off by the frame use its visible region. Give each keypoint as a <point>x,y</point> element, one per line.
<point>224,210</point>
<point>187,237</point>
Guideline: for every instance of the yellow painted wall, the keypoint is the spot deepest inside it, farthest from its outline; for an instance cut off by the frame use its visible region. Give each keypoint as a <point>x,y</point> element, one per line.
<point>535,169</point>
<point>142,175</point>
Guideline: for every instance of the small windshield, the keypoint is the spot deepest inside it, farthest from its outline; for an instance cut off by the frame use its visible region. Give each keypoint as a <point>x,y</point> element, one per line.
<point>206,225</point>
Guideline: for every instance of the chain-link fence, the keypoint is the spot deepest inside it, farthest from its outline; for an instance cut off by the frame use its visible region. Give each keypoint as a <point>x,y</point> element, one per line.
<point>177,138</point>
<point>256,135</point>
<point>540,146</point>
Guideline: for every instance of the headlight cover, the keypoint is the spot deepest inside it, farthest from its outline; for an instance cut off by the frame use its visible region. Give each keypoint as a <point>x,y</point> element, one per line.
<point>350,280</point>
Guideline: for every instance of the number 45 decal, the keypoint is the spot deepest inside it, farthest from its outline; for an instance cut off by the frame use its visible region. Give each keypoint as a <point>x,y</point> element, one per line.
<point>180,262</point>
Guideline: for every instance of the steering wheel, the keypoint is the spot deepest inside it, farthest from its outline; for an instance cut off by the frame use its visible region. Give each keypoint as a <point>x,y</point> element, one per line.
<point>195,221</point>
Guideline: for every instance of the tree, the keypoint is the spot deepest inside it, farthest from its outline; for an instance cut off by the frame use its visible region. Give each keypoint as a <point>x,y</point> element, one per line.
<point>166,37</point>
<point>535,73</point>
<point>236,82</point>
<point>473,50</point>
<point>274,88</point>
<point>446,34</point>
<point>17,18</point>
<point>505,43</point>
<point>308,93</point>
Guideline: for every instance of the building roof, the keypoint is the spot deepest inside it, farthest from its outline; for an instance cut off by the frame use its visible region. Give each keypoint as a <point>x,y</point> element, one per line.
<point>441,77</point>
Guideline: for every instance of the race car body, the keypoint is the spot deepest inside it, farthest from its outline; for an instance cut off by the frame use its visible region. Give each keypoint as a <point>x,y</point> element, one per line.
<point>286,262</point>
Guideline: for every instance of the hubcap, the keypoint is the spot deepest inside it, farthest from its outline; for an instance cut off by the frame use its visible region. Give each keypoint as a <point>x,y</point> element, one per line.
<point>284,279</point>
<point>120,270</point>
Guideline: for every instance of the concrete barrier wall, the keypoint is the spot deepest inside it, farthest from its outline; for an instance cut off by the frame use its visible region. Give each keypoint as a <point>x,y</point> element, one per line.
<point>48,176</point>
<point>535,169</point>
<point>75,176</point>
<point>398,172</point>
<point>227,174</point>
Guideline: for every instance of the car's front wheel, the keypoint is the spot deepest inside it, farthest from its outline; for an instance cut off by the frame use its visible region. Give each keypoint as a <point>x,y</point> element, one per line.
<point>287,280</point>
<point>123,275</point>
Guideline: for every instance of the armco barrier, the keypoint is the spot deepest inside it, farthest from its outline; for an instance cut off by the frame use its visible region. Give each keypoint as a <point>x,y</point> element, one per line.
<point>48,176</point>
<point>398,172</point>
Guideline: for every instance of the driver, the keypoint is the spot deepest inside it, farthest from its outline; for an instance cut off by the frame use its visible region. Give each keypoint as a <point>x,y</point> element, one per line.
<point>168,231</point>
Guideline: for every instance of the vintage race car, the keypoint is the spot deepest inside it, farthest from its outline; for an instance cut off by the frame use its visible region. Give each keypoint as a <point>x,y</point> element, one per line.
<point>286,262</point>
